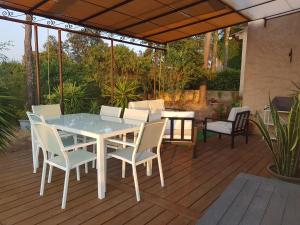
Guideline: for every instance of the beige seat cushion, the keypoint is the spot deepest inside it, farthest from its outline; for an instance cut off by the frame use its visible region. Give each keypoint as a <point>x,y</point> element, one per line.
<point>220,127</point>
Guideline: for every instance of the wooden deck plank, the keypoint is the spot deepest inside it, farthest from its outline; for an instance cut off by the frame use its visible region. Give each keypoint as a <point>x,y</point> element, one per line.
<point>191,186</point>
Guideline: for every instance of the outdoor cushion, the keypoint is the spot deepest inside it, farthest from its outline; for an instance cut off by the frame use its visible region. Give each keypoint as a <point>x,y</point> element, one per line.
<point>75,157</point>
<point>236,110</point>
<point>138,105</point>
<point>177,124</point>
<point>179,114</point>
<point>157,104</point>
<point>220,127</point>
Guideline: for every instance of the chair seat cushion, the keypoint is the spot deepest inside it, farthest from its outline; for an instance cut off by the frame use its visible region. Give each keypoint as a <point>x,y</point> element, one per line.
<point>220,127</point>
<point>78,157</point>
<point>126,155</point>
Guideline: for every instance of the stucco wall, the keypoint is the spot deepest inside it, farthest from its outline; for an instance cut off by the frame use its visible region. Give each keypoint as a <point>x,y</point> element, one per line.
<point>268,69</point>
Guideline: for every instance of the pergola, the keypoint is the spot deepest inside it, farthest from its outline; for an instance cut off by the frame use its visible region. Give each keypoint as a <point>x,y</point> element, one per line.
<point>155,22</point>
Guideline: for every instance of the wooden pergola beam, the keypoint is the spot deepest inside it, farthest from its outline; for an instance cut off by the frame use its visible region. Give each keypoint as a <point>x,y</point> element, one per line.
<point>36,6</point>
<point>160,15</point>
<point>112,59</point>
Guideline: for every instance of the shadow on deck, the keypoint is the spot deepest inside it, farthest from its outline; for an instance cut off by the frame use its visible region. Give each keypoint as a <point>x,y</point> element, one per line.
<point>191,186</point>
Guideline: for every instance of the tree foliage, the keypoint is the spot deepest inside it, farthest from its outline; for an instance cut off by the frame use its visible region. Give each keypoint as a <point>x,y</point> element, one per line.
<point>87,72</point>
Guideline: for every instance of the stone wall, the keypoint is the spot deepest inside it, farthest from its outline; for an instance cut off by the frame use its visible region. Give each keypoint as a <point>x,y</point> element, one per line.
<point>193,96</point>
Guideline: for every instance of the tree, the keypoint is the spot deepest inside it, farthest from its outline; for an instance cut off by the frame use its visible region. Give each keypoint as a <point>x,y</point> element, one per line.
<point>77,45</point>
<point>4,46</point>
<point>226,46</point>
<point>215,52</point>
<point>181,67</point>
<point>28,62</point>
<point>203,85</point>
<point>206,49</point>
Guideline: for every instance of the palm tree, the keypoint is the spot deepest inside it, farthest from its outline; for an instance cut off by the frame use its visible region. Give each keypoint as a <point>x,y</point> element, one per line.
<point>28,61</point>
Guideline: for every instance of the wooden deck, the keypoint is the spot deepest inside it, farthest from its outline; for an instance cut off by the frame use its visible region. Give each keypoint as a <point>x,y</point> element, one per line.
<point>191,186</point>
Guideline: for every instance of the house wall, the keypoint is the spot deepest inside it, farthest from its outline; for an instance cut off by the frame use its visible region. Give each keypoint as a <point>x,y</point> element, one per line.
<point>268,70</point>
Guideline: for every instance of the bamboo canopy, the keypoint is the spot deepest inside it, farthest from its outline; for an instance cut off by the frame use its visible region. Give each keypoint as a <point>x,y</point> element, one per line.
<point>158,21</point>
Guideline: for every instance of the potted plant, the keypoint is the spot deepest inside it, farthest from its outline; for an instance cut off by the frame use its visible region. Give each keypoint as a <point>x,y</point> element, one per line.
<point>283,142</point>
<point>23,120</point>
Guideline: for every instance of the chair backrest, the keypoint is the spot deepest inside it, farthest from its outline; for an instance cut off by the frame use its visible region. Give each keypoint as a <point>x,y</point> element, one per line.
<point>150,135</point>
<point>241,121</point>
<point>235,110</point>
<point>48,137</point>
<point>153,105</point>
<point>136,114</point>
<point>47,111</point>
<point>110,111</point>
<point>157,104</point>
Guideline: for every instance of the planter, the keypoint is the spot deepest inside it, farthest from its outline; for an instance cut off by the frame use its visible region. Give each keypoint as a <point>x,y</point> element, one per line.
<point>24,124</point>
<point>273,171</point>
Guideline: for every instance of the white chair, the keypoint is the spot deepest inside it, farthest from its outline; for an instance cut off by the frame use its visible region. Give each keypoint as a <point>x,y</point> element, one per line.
<point>110,111</point>
<point>136,114</point>
<point>47,111</point>
<point>150,136</point>
<point>131,114</point>
<point>35,145</point>
<point>53,111</point>
<point>63,156</point>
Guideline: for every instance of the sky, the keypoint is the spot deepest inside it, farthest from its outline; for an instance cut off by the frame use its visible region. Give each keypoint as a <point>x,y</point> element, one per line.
<point>14,32</point>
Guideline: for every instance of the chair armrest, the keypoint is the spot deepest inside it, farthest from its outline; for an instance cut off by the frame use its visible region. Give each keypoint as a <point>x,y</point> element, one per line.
<point>81,145</point>
<point>121,142</point>
<point>206,120</point>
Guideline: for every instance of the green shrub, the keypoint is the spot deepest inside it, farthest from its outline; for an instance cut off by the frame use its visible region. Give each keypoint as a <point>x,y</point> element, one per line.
<point>125,90</point>
<point>227,80</point>
<point>73,98</point>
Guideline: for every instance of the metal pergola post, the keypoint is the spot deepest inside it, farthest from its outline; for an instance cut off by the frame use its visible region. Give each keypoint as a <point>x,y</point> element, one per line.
<point>37,65</point>
<point>112,59</point>
<point>61,82</point>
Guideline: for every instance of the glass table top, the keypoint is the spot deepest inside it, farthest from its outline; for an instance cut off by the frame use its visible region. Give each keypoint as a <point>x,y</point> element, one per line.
<point>94,123</point>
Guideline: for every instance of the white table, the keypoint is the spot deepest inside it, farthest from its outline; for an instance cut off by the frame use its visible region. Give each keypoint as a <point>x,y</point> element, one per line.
<point>100,128</point>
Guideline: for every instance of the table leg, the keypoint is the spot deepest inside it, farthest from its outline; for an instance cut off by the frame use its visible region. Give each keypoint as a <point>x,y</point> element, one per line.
<point>101,167</point>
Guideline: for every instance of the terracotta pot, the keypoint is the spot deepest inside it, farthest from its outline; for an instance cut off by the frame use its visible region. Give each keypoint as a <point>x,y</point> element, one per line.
<point>273,171</point>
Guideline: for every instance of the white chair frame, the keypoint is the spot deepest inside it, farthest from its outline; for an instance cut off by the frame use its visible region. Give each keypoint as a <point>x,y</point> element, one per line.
<point>143,143</point>
<point>110,111</point>
<point>35,145</point>
<point>64,151</point>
